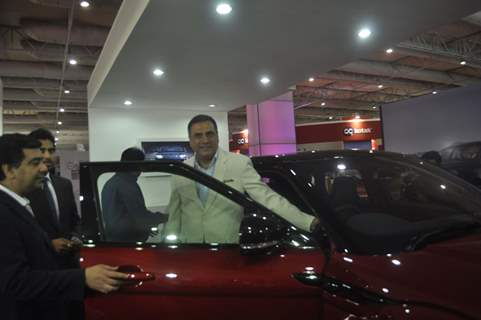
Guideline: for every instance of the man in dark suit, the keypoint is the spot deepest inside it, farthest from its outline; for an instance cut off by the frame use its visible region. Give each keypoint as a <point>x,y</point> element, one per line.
<point>31,284</point>
<point>54,206</point>
<point>126,217</point>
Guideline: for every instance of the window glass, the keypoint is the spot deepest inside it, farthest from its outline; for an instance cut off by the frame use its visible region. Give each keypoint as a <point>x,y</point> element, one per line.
<point>163,207</point>
<point>466,152</point>
<point>378,203</point>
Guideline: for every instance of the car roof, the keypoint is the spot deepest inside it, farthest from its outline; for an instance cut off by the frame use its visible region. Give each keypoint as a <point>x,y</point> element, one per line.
<point>323,154</point>
<point>464,144</point>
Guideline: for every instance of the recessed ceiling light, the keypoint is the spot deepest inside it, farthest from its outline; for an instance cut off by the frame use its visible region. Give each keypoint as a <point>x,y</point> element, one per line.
<point>323,104</point>
<point>57,132</point>
<point>330,118</point>
<point>223,9</point>
<point>374,107</point>
<point>212,105</point>
<point>462,63</point>
<point>84,4</point>
<point>380,86</point>
<point>59,123</point>
<point>435,92</point>
<point>265,80</point>
<point>389,50</point>
<point>73,62</point>
<point>127,102</point>
<point>364,33</point>
<point>61,110</point>
<point>66,91</point>
<point>56,139</point>
<point>311,79</point>
<point>158,72</point>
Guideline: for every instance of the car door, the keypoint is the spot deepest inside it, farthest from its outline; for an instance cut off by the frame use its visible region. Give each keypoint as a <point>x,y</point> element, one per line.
<point>198,280</point>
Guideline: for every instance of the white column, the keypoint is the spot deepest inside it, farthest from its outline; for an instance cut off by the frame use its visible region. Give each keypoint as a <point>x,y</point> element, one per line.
<point>272,127</point>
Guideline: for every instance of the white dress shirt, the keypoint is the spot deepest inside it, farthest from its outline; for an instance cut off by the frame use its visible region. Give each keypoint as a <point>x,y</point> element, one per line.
<point>24,202</point>
<point>54,195</point>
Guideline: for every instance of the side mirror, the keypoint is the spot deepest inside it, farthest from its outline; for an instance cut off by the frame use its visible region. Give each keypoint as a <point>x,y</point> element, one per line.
<point>260,233</point>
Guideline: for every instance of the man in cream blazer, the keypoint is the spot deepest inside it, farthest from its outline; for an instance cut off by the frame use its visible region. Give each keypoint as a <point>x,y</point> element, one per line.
<point>200,215</point>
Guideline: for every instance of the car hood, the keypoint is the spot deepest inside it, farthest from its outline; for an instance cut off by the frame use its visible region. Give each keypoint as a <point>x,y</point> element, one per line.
<point>445,275</point>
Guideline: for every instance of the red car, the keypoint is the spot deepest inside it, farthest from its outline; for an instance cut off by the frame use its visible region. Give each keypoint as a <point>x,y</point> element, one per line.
<point>399,239</point>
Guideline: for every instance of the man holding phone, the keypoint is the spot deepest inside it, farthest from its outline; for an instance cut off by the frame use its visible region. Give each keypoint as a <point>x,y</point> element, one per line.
<point>54,206</point>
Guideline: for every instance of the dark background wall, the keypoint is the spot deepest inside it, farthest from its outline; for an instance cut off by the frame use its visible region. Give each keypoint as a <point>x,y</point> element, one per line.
<point>433,122</point>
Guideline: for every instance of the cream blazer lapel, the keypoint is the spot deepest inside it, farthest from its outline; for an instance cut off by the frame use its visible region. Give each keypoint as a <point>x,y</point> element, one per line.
<point>191,189</point>
<point>219,172</point>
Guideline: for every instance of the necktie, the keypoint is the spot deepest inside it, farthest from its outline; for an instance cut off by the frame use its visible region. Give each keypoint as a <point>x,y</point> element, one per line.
<point>50,200</point>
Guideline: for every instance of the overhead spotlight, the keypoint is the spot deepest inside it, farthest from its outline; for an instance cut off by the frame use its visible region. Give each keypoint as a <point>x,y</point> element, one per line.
<point>211,105</point>
<point>380,86</point>
<point>374,107</point>
<point>357,116</point>
<point>364,33</point>
<point>462,63</point>
<point>73,62</point>
<point>265,80</point>
<point>61,110</point>
<point>56,139</point>
<point>59,123</point>
<point>331,117</point>
<point>84,4</point>
<point>311,79</point>
<point>57,132</point>
<point>127,102</point>
<point>158,72</point>
<point>323,104</point>
<point>389,50</point>
<point>434,92</point>
<point>66,91</point>
<point>223,9</point>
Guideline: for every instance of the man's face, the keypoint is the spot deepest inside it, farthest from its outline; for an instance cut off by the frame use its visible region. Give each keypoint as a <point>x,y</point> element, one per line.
<point>204,140</point>
<point>48,152</point>
<point>29,175</point>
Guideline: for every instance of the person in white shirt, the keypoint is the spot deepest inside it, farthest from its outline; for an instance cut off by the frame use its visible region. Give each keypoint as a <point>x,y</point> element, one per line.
<point>31,284</point>
<point>212,218</point>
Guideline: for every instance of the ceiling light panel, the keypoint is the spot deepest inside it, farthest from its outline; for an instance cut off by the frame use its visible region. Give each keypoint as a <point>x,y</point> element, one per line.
<point>223,9</point>
<point>364,33</point>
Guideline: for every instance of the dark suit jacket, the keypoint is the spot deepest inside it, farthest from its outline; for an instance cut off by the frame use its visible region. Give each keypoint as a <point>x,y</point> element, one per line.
<point>69,221</point>
<point>31,285</point>
<point>123,208</point>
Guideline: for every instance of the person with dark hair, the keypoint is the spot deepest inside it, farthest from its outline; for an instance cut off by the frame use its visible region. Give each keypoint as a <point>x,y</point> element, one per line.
<point>54,205</point>
<point>56,212</point>
<point>126,217</point>
<point>132,154</point>
<point>32,286</point>
<point>433,157</point>
<point>190,221</point>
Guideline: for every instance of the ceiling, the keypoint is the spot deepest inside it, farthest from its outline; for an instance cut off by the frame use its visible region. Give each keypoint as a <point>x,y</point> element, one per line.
<point>209,59</point>
<point>33,36</point>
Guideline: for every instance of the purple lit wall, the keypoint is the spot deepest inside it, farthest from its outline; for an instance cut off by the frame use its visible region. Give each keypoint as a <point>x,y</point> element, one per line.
<point>271,126</point>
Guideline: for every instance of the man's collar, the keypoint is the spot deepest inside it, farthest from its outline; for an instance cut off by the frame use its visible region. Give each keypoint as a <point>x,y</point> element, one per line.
<point>212,161</point>
<point>23,201</point>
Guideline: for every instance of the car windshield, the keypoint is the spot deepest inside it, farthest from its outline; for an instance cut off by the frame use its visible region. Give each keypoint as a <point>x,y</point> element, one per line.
<point>377,205</point>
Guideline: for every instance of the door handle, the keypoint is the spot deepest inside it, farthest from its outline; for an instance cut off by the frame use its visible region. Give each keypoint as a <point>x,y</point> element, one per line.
<point>309,278</point>
<point>136,274</point>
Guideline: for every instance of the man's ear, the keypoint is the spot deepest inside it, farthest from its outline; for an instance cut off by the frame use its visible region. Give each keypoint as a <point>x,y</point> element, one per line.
<point>8,170</point>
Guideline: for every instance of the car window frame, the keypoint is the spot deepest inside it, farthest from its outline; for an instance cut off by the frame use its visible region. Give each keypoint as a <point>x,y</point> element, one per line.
<point>92,226</point>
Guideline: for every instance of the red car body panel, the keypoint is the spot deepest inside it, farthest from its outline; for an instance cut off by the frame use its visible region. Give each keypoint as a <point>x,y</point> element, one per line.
<point>208,282</point>
<point>435,277</point>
